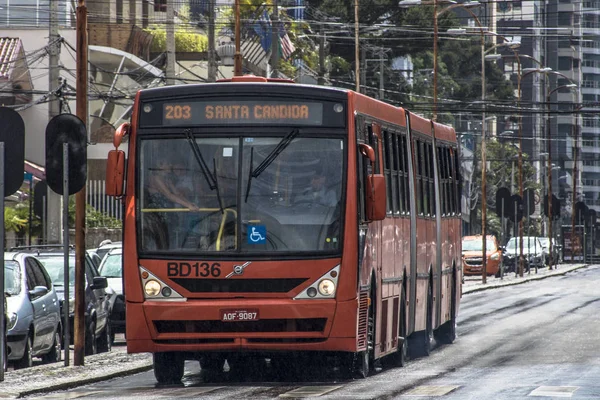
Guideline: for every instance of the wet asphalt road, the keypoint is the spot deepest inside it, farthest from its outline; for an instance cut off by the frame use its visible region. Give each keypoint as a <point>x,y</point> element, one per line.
<point>535,340</point>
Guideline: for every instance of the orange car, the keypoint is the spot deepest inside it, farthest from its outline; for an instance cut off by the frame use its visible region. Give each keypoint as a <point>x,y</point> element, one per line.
<point>472,255</point>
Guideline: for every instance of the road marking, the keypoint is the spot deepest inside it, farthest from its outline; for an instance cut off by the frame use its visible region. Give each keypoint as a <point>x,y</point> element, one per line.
<point>310,391</point>
<point>430,390</point>
<point>554,391</point>
<point>70,395</point>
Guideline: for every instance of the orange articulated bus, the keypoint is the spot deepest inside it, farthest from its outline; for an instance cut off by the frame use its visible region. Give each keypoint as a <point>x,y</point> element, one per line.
<point>265,218</point>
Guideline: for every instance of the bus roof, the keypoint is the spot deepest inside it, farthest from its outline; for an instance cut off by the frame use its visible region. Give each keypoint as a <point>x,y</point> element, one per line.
<point>244,88</point>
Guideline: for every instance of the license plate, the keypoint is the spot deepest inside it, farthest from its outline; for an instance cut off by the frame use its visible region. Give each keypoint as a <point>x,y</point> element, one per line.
<point>250,314</point>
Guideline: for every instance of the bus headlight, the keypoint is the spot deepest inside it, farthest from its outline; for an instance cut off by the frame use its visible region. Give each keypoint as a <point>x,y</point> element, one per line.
<point>152,288</point>
<point>326,287</point>
<point>157,290</point>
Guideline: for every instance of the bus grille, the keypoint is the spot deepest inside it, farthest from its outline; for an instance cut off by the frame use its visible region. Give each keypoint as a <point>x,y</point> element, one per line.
<point>265,325</point>
<point>281,285</point>
<point>362,319</point>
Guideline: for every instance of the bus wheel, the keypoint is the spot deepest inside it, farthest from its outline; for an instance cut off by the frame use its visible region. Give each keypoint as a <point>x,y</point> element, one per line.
<point>168,367</point>
<point>212,362</point>
<point>398,359</point>
<point>363,359</point>
<point>446,334</point>
<point>420,345</point>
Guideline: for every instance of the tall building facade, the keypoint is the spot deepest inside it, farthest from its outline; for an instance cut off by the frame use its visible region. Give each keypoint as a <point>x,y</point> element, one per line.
<point>550,42</point>
<point>590,90</point>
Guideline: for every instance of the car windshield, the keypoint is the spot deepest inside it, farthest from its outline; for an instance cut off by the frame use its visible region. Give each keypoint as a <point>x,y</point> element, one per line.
<point>12,278</point>
<point>111,266</point>
<point>55,266</point>
<point>241,194</point>
<point>529,243</point>
<point>477,244</point>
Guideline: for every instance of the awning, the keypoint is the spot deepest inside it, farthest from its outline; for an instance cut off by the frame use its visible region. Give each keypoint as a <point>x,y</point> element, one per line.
<point>15,79</point>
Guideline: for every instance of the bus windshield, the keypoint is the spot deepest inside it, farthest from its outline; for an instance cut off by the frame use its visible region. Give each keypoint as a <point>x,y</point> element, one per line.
<point>281,193</point>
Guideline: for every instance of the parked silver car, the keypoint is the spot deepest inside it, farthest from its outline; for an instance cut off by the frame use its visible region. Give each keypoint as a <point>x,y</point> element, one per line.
<point>33,311</point>
<point>112,268</point>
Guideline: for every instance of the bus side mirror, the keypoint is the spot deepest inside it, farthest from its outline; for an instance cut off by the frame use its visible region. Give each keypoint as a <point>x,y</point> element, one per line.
<point>376,197</point>
<point>115,172</point>
<point>367,151</point>
<point>120,133</point>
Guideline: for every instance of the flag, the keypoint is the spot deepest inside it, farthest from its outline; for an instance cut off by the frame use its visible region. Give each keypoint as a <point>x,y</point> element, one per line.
<point>286,47</point>
<point>262,28</point>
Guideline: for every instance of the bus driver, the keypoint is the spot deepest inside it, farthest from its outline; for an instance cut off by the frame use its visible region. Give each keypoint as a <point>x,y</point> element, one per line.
<point>317,192</point>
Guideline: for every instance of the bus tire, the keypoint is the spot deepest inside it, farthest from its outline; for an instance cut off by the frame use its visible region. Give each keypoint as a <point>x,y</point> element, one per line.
<point>364,359</point>
<point>421,342</point>
<point>399,358</point>
<point>213,362</point>
<point>446,334</point>
<point>168,367</point>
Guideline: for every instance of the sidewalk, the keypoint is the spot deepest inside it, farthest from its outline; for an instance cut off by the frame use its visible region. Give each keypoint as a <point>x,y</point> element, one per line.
<point>45,378</point>
<point>473,283</point>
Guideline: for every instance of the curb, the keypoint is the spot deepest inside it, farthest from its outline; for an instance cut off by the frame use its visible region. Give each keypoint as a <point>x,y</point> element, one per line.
<point>519,281</point>
<point>51,377</point>
<point>76,382</point>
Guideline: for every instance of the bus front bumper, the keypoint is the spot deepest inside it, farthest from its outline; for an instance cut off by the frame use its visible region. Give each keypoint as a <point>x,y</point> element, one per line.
<point>206,325</point>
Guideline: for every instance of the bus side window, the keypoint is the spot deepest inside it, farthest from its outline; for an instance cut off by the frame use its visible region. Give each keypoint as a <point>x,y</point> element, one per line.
<point>420,162</point>
<point>431,181</point>
<point>387,169</point>
<point>457,180</point>
<point>374,143</point>
<point>405,178</point>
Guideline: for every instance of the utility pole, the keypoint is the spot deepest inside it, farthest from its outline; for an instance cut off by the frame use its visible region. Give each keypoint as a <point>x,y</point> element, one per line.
<point>170,31</point>
<point>275,41</point>
<point>356,56</point>
<point>80,197</point>
<point>54,215</point>
<point>237,58</point>
<point>363,71</point>
<point>381,74</point>
<point>321,79</point>
<point>212,60</point>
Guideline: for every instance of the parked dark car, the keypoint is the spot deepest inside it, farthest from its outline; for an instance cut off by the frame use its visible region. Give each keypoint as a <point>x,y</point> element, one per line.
<point>112,269</point>
<point>34,326</point>
<point>98,335</point>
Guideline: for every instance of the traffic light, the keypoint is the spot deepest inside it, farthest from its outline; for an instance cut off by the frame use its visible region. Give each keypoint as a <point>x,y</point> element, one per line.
<point>555,206</point>
<point>66,128</point>
<point>529,201</point>
<point>503,200</point>
<point>517,207</point>
<point>13,136</point>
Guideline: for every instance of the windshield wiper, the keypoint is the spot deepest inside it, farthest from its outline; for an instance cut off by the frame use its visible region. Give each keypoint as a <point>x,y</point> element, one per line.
<point>210,179</point>
<point>217,186</point>
<point>281,146</point>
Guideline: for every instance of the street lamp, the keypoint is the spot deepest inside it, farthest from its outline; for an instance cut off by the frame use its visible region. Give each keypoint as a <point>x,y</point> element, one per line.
<point>549,144</point>
<point>484,52</point>
<point>436,14</point>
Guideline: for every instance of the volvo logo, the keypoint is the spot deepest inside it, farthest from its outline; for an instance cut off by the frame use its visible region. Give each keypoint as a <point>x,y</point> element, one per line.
<point>238,269</point>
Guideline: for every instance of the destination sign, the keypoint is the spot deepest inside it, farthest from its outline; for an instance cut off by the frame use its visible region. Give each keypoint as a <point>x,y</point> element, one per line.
<point>241,112</point>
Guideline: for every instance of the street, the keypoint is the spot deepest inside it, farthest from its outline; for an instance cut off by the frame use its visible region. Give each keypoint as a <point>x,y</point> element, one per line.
<point>535,339</point>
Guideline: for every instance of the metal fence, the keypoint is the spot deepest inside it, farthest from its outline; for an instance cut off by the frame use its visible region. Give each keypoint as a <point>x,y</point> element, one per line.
<point>97,198</point>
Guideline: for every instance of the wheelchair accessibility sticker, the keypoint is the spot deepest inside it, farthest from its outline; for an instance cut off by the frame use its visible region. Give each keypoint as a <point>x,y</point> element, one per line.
<point>257,234</point>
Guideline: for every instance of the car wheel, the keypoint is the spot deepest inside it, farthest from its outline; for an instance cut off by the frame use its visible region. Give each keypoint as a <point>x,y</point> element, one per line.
<point>105,340</point>
<point>55,353</point>
<point>90,339</point>
<point>27,360</point>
